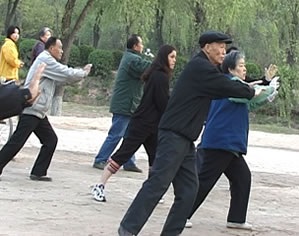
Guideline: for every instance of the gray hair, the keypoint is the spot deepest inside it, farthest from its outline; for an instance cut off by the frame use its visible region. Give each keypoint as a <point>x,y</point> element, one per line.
<point>230,60</point>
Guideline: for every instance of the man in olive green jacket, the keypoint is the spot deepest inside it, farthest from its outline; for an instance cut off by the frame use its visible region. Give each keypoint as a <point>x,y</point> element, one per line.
<point>125,99</point>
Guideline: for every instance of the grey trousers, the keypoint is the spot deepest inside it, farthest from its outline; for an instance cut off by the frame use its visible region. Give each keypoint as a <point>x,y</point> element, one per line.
<point>174,163</point>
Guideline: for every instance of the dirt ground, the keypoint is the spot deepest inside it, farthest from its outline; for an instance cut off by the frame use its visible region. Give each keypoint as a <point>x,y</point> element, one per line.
<point>65,206</point>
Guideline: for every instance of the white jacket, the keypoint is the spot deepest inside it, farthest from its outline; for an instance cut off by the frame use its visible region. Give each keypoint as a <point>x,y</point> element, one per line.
<point>54,73</point>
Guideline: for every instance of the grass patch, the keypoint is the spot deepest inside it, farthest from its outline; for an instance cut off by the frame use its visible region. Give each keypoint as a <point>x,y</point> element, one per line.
<point>273,128</point>
<point>80,110</point>
<point>272,124</point>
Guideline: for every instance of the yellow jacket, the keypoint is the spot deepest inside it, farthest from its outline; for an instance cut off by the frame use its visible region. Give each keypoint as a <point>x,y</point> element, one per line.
<point>9,60</point>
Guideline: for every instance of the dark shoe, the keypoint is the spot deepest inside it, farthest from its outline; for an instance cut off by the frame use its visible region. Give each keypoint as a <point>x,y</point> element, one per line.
<point>40,178</point>
<point>101,165</point>
<point>133,168</point>
<point>123,232</point>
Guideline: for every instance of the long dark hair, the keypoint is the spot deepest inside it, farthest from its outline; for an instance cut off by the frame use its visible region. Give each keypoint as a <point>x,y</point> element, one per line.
<point>160,62</point>
<point>11,29</point>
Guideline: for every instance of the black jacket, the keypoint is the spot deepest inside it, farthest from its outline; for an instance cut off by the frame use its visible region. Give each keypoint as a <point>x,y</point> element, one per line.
<point>12,100</point>
<point>154,101</point>
<point>199,83</point>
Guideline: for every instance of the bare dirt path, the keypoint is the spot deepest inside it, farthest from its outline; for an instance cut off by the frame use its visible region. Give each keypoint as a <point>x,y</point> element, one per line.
<point>65,206</point>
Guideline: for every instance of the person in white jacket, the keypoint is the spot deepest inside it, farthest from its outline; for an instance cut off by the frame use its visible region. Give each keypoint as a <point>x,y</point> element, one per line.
<point>34,118</point>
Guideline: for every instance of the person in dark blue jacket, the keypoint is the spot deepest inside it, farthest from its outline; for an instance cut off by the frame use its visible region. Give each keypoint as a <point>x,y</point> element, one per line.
<point>224,142</point>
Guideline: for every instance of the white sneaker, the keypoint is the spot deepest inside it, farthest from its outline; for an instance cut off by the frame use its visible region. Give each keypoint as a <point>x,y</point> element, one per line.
<point>234,225</point>
<point>161,201</point>
<point>188,224</point>
<point>98,193</point>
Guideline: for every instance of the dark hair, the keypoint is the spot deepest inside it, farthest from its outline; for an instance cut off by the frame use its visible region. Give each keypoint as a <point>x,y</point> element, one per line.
<point>160,62</point>
<point>230,60</point>
<point>132,40</point>
<point>232,48</point>
<point>43,31</point>
<point>11,30</point>
<point>50,42</point>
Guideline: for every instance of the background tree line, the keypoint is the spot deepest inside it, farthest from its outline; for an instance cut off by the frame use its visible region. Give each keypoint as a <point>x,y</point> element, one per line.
<point>267,31</point>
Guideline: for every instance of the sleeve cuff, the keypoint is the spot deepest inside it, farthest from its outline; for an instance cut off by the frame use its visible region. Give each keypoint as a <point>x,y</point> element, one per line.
<point>26,95</point>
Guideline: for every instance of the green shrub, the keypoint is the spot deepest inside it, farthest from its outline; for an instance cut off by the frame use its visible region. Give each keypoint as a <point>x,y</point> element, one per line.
<point>288,98</point>
<point>91,91</point>
<point>74,59</point>
<point>102,61</point>
<point>2,39</point>
<point>284,109</point>
<point>253,70</point>
<point>85,50</point>
<point>117,55</point>
<point>25,48</point>
<point>23,73</point>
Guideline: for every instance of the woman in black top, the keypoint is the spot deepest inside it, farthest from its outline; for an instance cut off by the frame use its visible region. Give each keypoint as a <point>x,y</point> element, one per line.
<point>143,126</point>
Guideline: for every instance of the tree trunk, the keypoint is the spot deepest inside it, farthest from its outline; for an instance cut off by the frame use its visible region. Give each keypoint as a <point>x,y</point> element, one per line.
<point>199,15</point>
<point>128,25</point>
<point>56,108</point>
<point>96,35</point>
<point>291,50</point>
<point>199,23</point>
<point>97,29</point>
<point>10,13</point>
<point>68,36</point>
<point>159,27</point>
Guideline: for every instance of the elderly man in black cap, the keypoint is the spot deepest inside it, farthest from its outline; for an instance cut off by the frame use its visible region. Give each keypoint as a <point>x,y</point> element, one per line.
<point>180,126</point>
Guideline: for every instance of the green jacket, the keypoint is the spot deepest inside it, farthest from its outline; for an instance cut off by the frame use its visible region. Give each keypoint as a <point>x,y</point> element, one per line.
<point>257,101</point>
<point>128,86</point>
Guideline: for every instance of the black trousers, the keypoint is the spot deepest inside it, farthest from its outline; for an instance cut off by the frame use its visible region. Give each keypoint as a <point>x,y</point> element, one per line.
<point>212,164</point>
<point>46,135</point>
<point>174,163</point>
<point>136,135</point>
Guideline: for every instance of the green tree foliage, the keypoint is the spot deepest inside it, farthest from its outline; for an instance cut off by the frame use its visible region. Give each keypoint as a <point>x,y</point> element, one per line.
<point>267,31</point>
<point>288,93</point>
<point>179,66</point>
<point>34,15</point>
<point>253,70</point>
<point>25,48</point>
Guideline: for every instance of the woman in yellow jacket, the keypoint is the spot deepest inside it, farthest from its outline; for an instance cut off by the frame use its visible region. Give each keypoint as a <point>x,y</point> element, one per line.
<point>9,56</point>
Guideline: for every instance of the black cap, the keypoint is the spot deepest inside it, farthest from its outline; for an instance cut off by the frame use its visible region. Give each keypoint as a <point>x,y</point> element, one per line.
<point>213,37</point>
